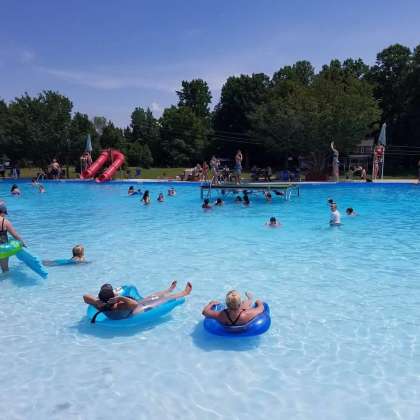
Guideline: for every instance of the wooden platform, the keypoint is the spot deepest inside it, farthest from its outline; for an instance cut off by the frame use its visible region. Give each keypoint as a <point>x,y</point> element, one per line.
<point>285,187</point>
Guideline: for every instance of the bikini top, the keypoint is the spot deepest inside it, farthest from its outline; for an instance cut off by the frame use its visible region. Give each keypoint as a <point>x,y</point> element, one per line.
<point>230,319</point>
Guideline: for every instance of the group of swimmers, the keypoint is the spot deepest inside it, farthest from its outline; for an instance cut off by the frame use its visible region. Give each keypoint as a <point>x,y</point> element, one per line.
<point>146,195</point>
<point>15,190</point>
<point>335,217</point>
<point>110,302</point>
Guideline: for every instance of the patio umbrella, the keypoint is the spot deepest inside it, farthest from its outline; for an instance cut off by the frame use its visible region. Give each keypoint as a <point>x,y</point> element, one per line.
<point>88,147</point>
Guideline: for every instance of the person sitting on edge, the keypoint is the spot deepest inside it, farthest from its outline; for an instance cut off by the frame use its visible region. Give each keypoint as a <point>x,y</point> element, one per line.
<point>238,199</point>
<point>206,204</point>
<point>350,211</point>
<point>161,198</point>
<point>120,307</point>
<point>273,222</point>
<point>15,190</point>
<point>172,192</point>
<point>246,199</point>
<point>237,312</point>
<point>268,196</point>
<point>146,198</point>
<point>219,202</point>
<point>5,228</point>
<point>335,219</point>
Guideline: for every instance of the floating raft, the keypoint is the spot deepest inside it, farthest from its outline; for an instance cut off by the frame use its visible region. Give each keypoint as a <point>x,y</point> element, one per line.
<point>286,187</point>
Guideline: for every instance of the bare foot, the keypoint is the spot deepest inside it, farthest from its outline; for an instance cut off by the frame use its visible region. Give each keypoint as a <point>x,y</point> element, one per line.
<point>172,286</point>
<point>188,289</point>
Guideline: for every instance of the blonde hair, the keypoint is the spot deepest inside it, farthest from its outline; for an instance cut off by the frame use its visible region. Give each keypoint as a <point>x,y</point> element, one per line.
<point>78,251</point>
<point>233,300</point>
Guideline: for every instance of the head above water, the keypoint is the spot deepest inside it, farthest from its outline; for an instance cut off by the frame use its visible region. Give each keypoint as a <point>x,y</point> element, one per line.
<point>3,208</point>
<point>333,206</point>
<point>273,220</point>
<point>106,292</point>
<point>350,210</point>
<point>78,251</point>
<point>233,300</point>
<point>131,188</point>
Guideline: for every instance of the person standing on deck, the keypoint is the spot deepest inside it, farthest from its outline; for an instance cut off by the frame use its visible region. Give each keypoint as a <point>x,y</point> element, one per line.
<point>238,166</point>
<point>335,163</point>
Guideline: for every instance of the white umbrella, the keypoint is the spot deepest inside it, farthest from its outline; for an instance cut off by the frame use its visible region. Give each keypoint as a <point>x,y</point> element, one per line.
<point>88,147</point>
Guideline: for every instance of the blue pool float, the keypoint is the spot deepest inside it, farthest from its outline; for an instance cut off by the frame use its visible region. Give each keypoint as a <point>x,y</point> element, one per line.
<point>32,262</point>
<point>63,261</point>
<point>257,326</point>
<point>139,319</point>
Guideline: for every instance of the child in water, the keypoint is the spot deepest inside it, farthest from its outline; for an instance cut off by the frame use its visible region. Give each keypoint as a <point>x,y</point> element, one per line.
<point>273,222</point>
<point>246,199</point>
<point>161,198</point>
<point>41,188</point>
<point>268,196</point>
<point>146,198</point>
<point>15,190</point>
<point>172,192</point>
<point>78,254</point>
<point>132,191</point>
<point>350,212</point>
<point>219,202</point>
<point>206,205</point>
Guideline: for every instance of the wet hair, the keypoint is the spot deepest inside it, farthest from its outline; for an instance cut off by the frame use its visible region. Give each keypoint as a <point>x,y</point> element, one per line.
<point>233,300</point>
<point>246,198</point>
<point>78,251</point>
<point>238,198</point>
<point>145,195</point>
<point>131,188</point>
<point>14,187</point>
<point>330,201</point>
<point>273,220</point>
<point>268,195</point>
<point>206,201</point>
<point>219,201</point>
<point>349,210</point>
<point>106,293</point>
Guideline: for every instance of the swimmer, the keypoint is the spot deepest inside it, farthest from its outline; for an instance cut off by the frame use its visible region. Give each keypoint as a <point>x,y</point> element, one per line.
<point>41,188</point>
<point>350,212</point>
<point>238,199</point>
<point>206,204</point>
<point>237,312</point>
<point>120,307</point>
<point>78,252</point>
<point>268,196</point>
<point>246,199</point>
<point>278,192</point>
<point>219,202</point>
<point>15,190</point>
<point>161,198</point>
<point>330,201</point>
<point>335,219</point>
<point>172,192</point>
<point>273,222</point>
<point>146,198</point>
<point>34,182</point>
<point>132,191</point>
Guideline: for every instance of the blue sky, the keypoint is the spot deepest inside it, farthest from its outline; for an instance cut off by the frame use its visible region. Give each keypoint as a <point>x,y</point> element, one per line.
<point>111,56</point>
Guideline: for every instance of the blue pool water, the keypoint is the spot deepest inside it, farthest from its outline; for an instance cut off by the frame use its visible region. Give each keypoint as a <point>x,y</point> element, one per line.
<point>344,340</point>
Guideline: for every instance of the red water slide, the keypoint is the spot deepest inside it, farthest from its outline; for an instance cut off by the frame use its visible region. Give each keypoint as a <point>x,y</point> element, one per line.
<point>117,159</point>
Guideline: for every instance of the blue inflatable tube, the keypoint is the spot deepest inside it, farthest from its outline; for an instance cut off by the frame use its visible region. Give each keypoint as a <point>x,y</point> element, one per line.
<point>32,262</point>
<point>257,326</point>
<point>60,262</point>
<point>139,319</point>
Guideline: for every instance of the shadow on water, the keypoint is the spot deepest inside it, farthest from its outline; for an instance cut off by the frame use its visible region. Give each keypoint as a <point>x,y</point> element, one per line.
<point>209,342</point>
<point>85,327</point>
<point>22,278</point>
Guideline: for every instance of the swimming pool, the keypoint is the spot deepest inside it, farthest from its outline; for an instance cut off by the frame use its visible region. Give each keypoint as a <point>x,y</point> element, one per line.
<point>344,340</point>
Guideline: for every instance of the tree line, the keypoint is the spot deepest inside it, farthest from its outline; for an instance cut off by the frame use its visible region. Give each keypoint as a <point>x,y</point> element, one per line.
<point>297,111</point>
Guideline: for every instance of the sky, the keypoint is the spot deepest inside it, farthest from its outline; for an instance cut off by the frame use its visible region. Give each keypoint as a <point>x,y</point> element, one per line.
<point>110,56</point>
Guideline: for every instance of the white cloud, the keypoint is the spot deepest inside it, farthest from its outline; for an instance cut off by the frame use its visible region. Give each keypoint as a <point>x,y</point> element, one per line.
<point>108,81</point>
<point>156,108</point>
<point>26,56</point>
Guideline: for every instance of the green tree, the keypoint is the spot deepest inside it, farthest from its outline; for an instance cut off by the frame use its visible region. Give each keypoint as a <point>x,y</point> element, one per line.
<point>80,127</point>
<point>112,137</point>
<point>335,106</point>
<point>195,94</point>
<point>99,124</point>
<point>183,137</point>
<point>139,155</point>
